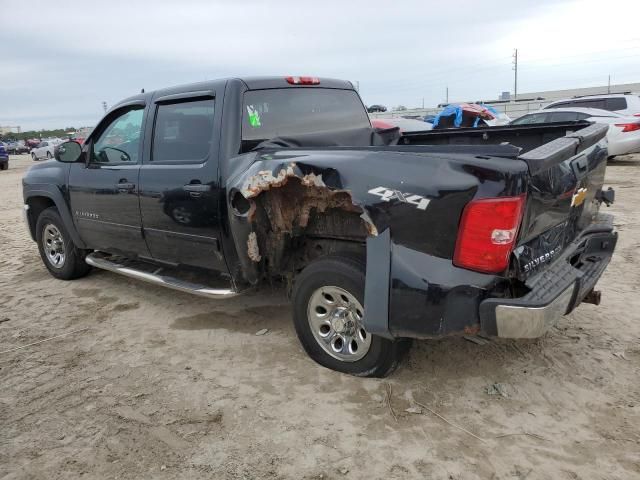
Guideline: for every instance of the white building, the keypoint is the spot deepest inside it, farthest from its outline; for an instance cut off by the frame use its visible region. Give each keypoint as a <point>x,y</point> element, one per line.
<point>7,130</point>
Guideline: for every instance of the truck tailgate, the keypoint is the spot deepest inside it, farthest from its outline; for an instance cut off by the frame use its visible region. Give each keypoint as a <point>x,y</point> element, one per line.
<point>563,197</point>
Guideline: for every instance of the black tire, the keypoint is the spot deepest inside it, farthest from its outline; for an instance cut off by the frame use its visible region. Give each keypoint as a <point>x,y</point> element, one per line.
<point>347,273</point>
<point>4,165</point>
<point>74,265</point>
<point>49,157</point>
<point>33,157</point>
<point>611,158</point>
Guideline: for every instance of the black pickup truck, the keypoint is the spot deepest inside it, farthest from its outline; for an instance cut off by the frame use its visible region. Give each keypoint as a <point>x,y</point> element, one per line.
<point>215,187</point>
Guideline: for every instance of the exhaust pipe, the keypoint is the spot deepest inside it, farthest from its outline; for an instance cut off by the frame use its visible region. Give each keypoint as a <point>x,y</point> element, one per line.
<point>592,297</point>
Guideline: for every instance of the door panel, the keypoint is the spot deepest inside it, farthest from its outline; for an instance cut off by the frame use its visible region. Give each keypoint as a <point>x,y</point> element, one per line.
<point>103,193</point>
<point>179,188</point>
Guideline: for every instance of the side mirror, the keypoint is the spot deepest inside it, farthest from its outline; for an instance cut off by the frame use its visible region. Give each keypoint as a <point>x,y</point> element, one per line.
<point>68,152</point>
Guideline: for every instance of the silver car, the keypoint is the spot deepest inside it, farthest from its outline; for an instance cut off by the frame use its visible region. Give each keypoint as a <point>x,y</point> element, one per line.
<point>44,150</point>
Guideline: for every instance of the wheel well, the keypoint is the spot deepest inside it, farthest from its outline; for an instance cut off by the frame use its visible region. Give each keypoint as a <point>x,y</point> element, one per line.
<point>297,223</point>
<point>37,205</point>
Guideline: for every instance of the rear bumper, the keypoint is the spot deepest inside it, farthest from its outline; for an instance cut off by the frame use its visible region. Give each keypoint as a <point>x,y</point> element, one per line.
<point>625,145</point>
<point>554,292</point>
<point>409,294</point>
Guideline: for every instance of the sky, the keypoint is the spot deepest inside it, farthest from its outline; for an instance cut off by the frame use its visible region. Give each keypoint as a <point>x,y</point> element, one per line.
<point>63,59</point>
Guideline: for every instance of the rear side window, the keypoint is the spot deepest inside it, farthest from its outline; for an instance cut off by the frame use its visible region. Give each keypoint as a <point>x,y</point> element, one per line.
<point>616,103</point>
<point>183,132</point>
<point>298,111</point>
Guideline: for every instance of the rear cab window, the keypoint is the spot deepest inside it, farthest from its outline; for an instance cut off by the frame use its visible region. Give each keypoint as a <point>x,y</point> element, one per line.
<point>289,112</point>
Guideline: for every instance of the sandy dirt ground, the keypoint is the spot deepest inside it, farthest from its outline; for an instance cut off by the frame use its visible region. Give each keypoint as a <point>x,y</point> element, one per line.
<point>166,385</point>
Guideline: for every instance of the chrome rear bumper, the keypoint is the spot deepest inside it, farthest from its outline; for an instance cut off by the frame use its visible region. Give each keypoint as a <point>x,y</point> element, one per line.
<point>531,322</point>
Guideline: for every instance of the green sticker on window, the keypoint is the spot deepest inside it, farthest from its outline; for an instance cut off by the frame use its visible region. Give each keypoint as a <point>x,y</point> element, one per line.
<point>254,117</point>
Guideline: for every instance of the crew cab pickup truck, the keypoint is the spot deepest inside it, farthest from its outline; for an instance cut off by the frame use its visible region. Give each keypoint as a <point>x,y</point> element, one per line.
<point>215,187</point>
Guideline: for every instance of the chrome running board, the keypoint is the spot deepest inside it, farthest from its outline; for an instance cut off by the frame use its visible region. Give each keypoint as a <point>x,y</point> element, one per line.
<point>133,269</point>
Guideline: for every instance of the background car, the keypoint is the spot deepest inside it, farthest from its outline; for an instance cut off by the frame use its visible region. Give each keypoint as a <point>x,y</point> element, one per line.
<point>405,124</point>
<point>33,142</point>
<point>620,103</point>
<point>376,108</point>
<point>4,157</point>
<point>17,148</point>
<point>45,149</point>
<point>462,115</point>
<point>624,131</point>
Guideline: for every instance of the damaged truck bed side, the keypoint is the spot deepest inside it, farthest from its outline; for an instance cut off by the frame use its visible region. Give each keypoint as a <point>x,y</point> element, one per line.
<point>383,237</point>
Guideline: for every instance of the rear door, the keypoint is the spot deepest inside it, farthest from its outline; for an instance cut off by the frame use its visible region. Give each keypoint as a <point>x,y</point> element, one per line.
<point>179,186</point>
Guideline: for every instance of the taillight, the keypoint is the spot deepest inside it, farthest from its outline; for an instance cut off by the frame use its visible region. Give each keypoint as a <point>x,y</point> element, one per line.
<point>303,80</point>
<point>488,231</point>
<point>636,114</point>
<point>629,127</point>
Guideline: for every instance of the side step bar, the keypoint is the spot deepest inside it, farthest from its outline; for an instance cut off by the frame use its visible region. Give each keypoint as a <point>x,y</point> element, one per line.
<point>127,268</point>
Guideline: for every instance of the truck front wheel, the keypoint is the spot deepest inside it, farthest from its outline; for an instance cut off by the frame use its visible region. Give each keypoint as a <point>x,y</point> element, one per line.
<point>328,311</point>
<point>59,254</point>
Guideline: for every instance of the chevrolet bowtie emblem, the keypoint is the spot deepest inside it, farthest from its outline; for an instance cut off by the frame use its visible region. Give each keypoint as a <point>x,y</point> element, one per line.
<point>578,197</point>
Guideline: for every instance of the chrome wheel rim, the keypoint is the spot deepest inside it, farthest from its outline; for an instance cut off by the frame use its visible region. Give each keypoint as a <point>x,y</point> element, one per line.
<point>335,317</point>
<point>53,245</point>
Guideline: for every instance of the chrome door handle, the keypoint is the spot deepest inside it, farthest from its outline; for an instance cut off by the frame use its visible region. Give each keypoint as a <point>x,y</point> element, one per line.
<point>196,187</point>
<point>125,187</point>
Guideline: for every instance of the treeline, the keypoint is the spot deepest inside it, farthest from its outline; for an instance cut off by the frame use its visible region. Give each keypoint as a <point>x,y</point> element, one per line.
<point>59,132</point>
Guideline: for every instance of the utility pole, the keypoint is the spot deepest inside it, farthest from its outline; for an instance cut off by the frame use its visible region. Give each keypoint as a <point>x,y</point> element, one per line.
<point>447,96</point>
<point>423,103</point>
<point>609,84</point>
<point>358,86</point>
<point>515,68</point>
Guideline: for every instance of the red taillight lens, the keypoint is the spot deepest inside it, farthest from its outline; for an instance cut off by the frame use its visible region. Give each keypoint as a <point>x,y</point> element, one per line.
<point>303,80</point>
<point>636,114</point>
<point>488,231</point>
<point>629,127</point>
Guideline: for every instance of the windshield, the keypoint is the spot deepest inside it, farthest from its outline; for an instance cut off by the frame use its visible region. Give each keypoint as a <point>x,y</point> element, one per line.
<point>297,111</point>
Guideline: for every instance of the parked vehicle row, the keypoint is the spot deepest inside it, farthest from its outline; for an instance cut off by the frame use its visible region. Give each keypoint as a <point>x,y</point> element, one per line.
<point>623,134</point>
<point>4,157</point>
<point>16,148</point>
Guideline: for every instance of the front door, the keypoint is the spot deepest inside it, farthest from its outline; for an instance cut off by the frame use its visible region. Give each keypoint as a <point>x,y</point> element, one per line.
<point>179,188</point>
<point>104,192</point>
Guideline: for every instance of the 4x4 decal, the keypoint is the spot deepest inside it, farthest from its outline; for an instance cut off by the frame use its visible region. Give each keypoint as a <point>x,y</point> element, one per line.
<point>387,194</point>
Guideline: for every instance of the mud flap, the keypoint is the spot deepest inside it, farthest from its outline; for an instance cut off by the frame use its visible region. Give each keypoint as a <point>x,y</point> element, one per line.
<point>377,285</point>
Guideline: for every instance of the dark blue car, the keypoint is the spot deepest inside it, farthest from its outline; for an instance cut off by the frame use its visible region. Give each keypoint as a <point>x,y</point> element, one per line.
<point>4,157</point>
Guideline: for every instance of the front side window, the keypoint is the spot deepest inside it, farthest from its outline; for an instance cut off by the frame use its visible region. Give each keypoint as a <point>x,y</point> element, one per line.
<point>599,103</point>
<point>562,116</point>
<point>183,132</point>
<point>119,142</point>
<point>286,112</point>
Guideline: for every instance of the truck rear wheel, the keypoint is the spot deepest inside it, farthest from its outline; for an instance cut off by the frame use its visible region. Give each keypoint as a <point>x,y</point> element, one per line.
<point>328,315</point>
<point>58,252</point>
